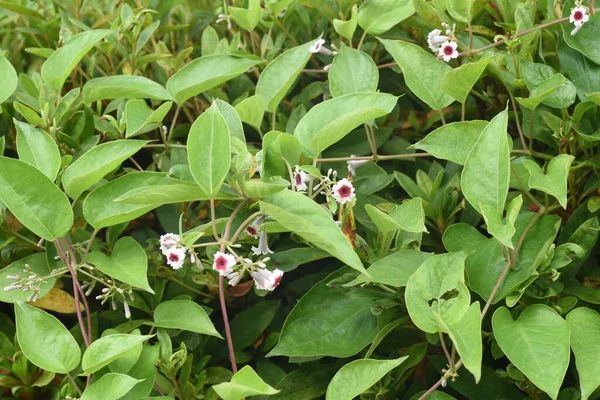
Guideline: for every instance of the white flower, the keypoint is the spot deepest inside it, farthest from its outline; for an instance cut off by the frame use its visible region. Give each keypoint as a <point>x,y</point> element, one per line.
<point>579,16</point>
<point>265,279</point>
<point>435,38</point>
<point>343,191</point>
<point>317,46</point>
<point>263,246</point>
<point>168,241</point>
<point>234,278</point>
<point>175,257</point>
<point>223,263</point>
<point>300,179</point>
<point>448,50</point>
<point>353,164</point>
<point>253,228</point>
<point>126,308</point>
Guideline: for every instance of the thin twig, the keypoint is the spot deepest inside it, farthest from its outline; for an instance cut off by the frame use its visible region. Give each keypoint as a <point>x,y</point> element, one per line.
<point>81,292</point>
<point>63,257</point>
<point>446,352</point>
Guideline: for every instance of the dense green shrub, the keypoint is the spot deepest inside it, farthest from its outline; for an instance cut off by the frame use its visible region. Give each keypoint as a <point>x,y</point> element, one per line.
<point>340,198</point>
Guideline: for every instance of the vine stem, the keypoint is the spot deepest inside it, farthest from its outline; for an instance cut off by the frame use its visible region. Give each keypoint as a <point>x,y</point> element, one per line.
<point>65,260</point>
<point>478,50</point>
<point>82,293</point>
<point>488,303</point>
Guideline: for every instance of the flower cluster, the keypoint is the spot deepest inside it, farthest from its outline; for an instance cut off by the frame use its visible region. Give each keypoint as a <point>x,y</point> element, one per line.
<point>31,283</point>
<point>172,249</point>
<point>445,45</point>
<point>579,16</point>
<point>264,279</point>
<point>113,291</point>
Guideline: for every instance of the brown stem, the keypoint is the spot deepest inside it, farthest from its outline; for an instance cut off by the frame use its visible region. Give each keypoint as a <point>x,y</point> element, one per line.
<point>63,257</point>
<point>226,323</point>
<point>81,292</point>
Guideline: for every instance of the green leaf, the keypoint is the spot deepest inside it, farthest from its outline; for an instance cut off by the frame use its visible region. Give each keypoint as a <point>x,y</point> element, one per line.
<point>109,387</point>
<point>236,129</point>
<point>57,68</point>
<point>486,175</point>
<point>209,147</point>
<point>169,191</point>
<point>44,340</point>
<point>466,336</point>
<point>393,270</point>
<point>452,141</point>
<point>144,370</point>
<point>554,181</point>
<point>39,266</point>
<point>107,349</point>
<point>536,97</point>
<point>9,79</point>
<point>205,73</point>
<point>127,263</point>
<point>503,229</point>
<point>357,376</point>
<point>123,87</point>
<point>585,342</point>
<point>247,18</point>
<point>96,163</point>
<point>34,200</point>
<point>540,78</point>
<point>141,119</point>
<point>100,208</point>
<point>347,28</point>
<point>379,16</point>
<point>352,71</point>
<point>256,189</point>
<point>436,291</point>
<point>486,264</point>
<point>458,82</point>
<point>585,41</point>
<point>410,215</point>
<point>290,148</point>
<point>423,72</point>
<point>252,110</point>
<point>37,148</point>
<point>184,314</point>
<point>301,215</point>
<point>384,222</point>
<point>279,76</point>
<point>305,382</point>
<point>244,383</point>
<point>461,10</point>
<point>537,343</point>
<point>329,321</point>
<point>328,122</point>
<point>252,322</point>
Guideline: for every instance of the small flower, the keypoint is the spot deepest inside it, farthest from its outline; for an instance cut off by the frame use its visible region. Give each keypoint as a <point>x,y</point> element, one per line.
<point>448,50</point>
<point>579,16</point>
<point>223,263</point>
<point>234,278</point>
<point>253,228</point>
<point>435,38</point>
<point>353,164</point>
<point>263,246</point>
<point>126,308</point>
<point>267,280</point>
<point>343,191</point>
<point>317,47</point>
<point>300,179</point>
<point>168,241</point>
<point>176,257</point>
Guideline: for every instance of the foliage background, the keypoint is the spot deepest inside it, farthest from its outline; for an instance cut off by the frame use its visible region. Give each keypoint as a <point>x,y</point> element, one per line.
<point>109,161</point>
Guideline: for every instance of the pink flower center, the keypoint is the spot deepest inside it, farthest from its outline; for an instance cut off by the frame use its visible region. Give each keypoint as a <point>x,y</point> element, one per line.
<point>173,257</point>
<point>345,191</point>
<point>251,230</point>
<point>221,263</point>
<point>577,15</point>
<point>298,179</point>
<point>448,50</point>
<point>276,281</point>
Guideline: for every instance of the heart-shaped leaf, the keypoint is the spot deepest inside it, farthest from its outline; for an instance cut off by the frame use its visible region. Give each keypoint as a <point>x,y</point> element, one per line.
<point>244,383</point>
<point>554,181</point>
<point>585,342</point>
<point>537,343</point>
<point>127,263</point>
